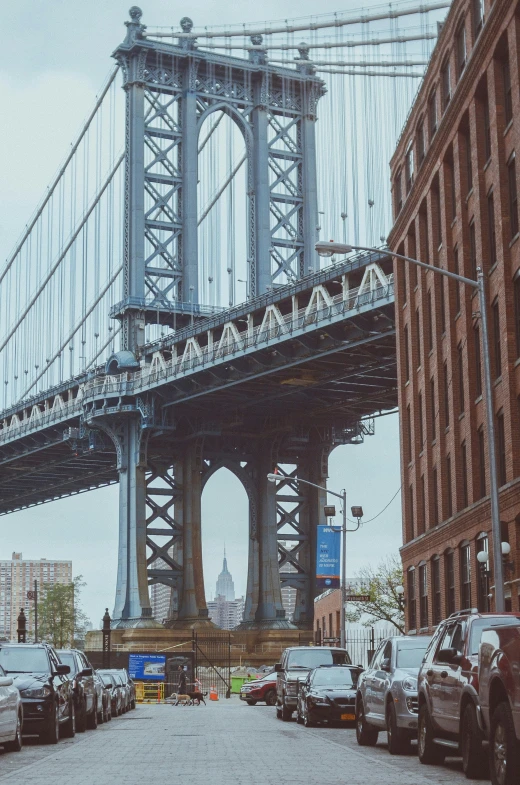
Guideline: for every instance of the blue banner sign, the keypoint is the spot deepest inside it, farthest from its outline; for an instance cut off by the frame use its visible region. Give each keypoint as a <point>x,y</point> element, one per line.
<point>147,666</point>
<point>327,558</point>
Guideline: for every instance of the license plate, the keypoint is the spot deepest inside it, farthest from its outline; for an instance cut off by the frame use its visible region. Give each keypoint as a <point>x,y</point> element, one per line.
<point>348,717</point>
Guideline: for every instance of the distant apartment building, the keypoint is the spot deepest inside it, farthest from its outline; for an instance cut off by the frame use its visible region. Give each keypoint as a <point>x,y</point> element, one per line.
<point>160,596</point>
<point>17,577</point>
<point>455,192</point>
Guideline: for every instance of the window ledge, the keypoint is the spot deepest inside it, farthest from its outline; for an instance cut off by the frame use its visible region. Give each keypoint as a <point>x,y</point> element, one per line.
<point>478,398</point>
<point>457,316</point>
<point>517,363</point>
<point>447,429</point>
<point>434,442</point>
<point>462,416</point>
<point>492,268</point>
<point>454,222</point>
<point>508,127</point>
<point>487,164</point>
<point>470,194</point>
<point>515,238</point>
<point>430,353</point>
<point>498,381</point>
<point>407,382</point>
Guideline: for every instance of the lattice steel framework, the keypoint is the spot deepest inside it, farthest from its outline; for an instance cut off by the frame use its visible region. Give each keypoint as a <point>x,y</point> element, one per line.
<point>171,90</point>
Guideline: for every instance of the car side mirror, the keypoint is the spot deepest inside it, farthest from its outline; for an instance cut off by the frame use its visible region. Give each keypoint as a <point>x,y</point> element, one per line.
<point>86,672</point>
<point>278,667</point>
<point>62,670</point>
<point>6,681</point>
<point>451,656</point>
<point>385,665</point>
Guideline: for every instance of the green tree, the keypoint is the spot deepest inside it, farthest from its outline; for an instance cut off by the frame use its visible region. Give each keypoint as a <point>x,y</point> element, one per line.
<point>380,582</point>
<point>61,621</point>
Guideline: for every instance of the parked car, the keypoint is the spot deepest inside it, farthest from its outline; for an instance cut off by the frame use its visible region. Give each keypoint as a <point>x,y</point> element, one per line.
<point>130,686</point>
<point>260,690</point>
<point>296,663</point>
<point>104,703</point>
<point>85,697</point>
<point>115,690</point>
<point>499,695</point>
<point>11,714</point>
<point>448,690</point>
<point>387,693</point>
<point>328,694</point>
<point>45,689</point>
<point>125,691</point>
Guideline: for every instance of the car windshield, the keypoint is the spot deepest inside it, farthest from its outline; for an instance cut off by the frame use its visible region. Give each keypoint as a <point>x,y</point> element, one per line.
<point>20,660</point>
<point>411,656</point>
<point>68,658</point>
<point>311,658</point>
<point>335,677</point>
<point>482,624</point>
<point>107,681</point>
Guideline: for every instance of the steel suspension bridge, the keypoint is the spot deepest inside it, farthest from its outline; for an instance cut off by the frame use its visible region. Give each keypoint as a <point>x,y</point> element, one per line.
<point>164,314</point>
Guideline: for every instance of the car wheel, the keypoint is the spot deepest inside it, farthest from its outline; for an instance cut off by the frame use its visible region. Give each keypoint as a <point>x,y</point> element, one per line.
<point>69,728</point>
<point>132,705</point>
<point>398,738</point>
<point>92,721</point>
<point>250,702</point>
<point>504,749</point>
<point>366,734</point>
<point>81,718</point>
<point>473,758</point>
<point>427,749</point>
<point>286,713</point>
<point>51,734</point>
<point>17,743</point>
<point>270,697</point>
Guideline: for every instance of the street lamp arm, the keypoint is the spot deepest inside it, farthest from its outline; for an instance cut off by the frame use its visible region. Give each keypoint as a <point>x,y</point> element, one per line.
<point>273,477</point>
<point>340,248</point>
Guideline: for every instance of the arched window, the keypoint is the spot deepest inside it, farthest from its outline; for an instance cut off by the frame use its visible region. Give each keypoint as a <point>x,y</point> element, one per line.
<point>423,595</point>
<point>482,546</point>
<point>436,590</point>
<point>449,579</point>
<point>412,613</point>
<point>465,574</point>
<point>421,141</point>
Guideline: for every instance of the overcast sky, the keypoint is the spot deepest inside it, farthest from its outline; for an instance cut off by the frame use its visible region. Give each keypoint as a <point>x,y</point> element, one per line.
<point>54,57</point>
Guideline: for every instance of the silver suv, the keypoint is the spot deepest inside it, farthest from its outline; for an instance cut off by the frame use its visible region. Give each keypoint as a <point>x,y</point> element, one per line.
<point>297,662</point>
<point>387,693</point>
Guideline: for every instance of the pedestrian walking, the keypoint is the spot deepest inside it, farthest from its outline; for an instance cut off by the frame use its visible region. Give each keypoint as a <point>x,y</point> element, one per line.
<point>181,687</point>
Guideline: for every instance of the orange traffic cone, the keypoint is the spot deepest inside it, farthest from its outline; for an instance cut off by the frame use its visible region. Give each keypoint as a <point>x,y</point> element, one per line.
<point>213,694</point>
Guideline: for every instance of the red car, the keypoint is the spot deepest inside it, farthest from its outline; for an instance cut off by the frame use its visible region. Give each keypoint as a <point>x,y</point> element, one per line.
<point>263,689</point>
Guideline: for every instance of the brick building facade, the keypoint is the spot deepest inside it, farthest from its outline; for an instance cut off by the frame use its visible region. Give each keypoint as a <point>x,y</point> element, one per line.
<point>455,185</point>
<point>327,618</point>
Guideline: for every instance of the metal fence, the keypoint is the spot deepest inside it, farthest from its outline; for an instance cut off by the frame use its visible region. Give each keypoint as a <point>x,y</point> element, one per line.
<point>361,642</point>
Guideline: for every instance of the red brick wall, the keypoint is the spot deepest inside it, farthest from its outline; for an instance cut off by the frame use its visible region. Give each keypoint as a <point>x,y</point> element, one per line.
<point>323,607</point>
<point>434,226</point>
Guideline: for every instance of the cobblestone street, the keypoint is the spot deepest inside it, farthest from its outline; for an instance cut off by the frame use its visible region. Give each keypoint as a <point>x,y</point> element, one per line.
<point>227,742</point>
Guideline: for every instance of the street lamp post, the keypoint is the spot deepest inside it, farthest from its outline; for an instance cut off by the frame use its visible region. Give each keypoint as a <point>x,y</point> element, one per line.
<point>331,248</point>
<point>343,496</point>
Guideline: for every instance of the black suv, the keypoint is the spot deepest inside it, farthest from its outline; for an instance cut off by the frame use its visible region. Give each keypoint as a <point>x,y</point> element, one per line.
<point>45,689</point>
<point>85,696</point>
<point>449,707</point>
<point>297,662</point>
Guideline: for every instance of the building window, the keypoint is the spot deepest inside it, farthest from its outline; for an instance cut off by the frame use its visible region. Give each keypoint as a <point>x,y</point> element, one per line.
<point>421,428</point>
<point>409,167</point>
<point>433,409</point>
<point>453,190</point>
<point>472,250</point>
<point>469,164</point>
<point>481,462</point>
<point>483,576</point>
<point>491,229</point>
<point>478,365</point>
<point>487,126</point>
<point>406,354</point>
<point>418,334</point>
<point>478,16</point>
<point>423,502</point>
<point>423,596</point>
<point>432,114</point>
<point>443,306</point>
<point>409,434</point>
<point>430,320</point>
<point>464,467</point>
<point>465,575</point>
<point>411,516</point>
<point>446,84</point>
<point>436,590</point>
<point>508,93</point>
<point>496,339</point>
<point>457,285</point>
<point>398,193</point>
<point>412,616</point>
<point>449,489</point>
<point>501,449</point>
<point>513,198</point>
<point>421,143</point>
<point>436,516</point>
<point>449,573</point>
<point>460,46</point>
<point>460,365</point>
<point>446,394</point>
<point>516,285</point>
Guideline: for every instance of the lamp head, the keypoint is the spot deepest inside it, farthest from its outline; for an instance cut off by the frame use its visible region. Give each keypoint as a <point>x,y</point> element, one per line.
<point>273,477</point>
<point>399,590</point>
<point>506,549</point>
<point>482,557</point>
<point>329,248</point>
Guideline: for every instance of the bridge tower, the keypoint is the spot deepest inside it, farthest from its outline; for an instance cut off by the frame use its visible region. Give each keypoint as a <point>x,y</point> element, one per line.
<point>170,90</point>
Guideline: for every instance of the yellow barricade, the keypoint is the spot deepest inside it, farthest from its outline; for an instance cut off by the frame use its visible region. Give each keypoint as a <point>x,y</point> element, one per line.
<point>149,691</point>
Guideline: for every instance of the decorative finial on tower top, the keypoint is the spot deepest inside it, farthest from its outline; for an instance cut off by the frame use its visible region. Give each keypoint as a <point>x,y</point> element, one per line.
<point>186,24</point>
<point>257,39</point>
<point>134,27</point>
<point>135,13</point>
<point>257,56</point>
<point>303,50</point>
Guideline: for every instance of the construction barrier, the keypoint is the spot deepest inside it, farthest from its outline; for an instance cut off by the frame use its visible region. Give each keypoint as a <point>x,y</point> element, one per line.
<point>149,691</point>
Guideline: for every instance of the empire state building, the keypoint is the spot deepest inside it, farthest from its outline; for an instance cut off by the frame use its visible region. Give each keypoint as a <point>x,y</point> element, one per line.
<point>225,586</point>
